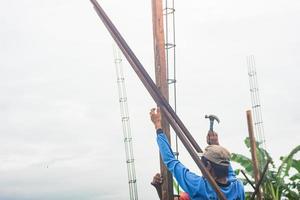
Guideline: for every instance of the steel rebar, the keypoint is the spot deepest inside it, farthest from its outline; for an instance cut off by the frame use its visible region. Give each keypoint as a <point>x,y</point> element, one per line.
<point>172,117</point>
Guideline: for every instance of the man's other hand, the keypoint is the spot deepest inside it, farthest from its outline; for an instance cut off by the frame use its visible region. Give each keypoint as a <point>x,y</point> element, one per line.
<point>212,138</point>
<point>157,180</point>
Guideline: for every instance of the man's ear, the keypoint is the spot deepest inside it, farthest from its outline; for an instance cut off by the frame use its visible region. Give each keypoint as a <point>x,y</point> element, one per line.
<point>209,166</point>
<point>210,169</point>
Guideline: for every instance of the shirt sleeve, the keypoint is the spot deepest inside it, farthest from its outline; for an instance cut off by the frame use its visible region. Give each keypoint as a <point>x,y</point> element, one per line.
<point>188,181</point>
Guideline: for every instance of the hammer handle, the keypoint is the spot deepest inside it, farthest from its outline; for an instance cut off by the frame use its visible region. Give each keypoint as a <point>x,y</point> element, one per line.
<point>211,127</point>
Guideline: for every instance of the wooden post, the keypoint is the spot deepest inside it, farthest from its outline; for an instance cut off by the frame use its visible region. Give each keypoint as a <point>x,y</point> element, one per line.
<point>161,82</point>
<point>253,153</point>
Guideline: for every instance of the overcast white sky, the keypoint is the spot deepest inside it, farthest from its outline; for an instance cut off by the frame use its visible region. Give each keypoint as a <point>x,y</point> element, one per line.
<point>60,128</point>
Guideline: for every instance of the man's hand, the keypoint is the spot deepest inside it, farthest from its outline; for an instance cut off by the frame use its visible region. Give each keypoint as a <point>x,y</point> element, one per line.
<point>156,117</point>
<point>212,138</point>
<point>157,180</point>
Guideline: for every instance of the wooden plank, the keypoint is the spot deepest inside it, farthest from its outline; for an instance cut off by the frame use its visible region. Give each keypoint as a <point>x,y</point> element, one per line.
<point>161,83</point>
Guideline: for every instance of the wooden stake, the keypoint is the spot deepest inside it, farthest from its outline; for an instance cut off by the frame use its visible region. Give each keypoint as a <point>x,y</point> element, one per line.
<point>161,82</point>
<point>253,152</point>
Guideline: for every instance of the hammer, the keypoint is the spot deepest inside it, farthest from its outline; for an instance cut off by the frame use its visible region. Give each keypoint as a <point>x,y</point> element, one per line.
<point>211,120</point>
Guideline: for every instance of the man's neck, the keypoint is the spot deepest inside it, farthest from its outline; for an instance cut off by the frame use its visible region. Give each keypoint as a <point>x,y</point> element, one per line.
<point>222,180</point>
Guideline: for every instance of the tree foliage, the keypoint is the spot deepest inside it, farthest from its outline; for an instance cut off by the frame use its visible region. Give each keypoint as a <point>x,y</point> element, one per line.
<point>278,183</point>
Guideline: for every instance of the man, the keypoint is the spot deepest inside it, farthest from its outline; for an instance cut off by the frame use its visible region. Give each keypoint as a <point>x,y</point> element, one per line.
<point>216,160</point>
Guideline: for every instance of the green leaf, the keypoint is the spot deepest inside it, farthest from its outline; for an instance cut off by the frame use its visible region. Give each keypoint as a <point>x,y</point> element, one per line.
<point>176,187</point>
<point>245,162</point>
<point>247,142</point>
<point>295,177</point>
<point>277,183</point>
<point>287,163</point>
<point>296,165</point>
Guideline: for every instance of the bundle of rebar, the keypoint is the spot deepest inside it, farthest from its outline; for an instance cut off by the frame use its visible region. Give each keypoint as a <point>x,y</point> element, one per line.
<point>177,125</point>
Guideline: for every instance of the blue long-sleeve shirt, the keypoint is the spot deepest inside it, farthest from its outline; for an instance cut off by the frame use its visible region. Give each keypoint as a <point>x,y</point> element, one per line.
<point>196,186</point>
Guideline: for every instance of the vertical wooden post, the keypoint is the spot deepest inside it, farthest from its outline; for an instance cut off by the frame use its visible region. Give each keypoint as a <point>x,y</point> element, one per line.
<point>253,152</point>
<point>161,82</point>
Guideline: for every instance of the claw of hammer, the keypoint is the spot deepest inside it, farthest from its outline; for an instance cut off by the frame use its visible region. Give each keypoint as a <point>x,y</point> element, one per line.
<point>211,120</point>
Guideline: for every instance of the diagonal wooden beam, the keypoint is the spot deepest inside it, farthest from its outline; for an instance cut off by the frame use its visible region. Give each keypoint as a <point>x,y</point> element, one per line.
<point>179,128</point>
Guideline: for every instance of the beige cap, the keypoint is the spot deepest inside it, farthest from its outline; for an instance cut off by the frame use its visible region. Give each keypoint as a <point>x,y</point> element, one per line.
<point>217,154</point>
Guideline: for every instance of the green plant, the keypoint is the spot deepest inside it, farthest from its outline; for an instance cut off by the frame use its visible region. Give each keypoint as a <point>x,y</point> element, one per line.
<point>281,182</point>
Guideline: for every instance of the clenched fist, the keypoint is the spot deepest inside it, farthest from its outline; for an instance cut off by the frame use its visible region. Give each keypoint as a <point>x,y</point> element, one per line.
<point>156,117</point>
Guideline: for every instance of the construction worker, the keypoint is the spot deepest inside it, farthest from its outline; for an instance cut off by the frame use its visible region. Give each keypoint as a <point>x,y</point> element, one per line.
<point>216,160</point>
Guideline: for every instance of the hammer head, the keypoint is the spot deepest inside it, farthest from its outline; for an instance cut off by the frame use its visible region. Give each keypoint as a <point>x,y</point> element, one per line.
<point>212,118</point>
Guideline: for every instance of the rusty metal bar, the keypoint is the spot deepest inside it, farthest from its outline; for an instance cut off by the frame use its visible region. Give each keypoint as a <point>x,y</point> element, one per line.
<point>250,182</point>
<point>141,72</point>
<point>172,117</point>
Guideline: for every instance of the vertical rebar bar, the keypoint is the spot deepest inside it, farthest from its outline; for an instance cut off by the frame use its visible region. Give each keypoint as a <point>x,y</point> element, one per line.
<point>126,125</point>
<point>170,48</point>
<point>256,106</point>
